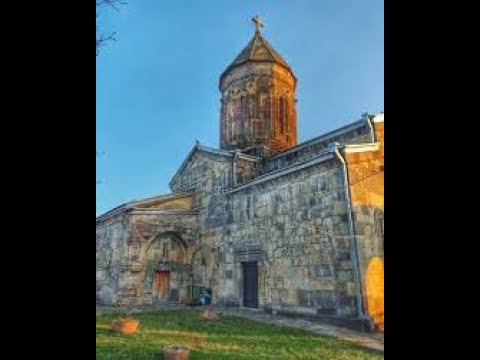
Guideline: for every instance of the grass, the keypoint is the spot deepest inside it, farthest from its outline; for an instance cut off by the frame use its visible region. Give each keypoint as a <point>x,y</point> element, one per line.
<point>228,338</point>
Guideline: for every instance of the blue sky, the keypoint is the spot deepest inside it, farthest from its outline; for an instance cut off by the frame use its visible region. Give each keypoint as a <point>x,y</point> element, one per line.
<point>157,86</point>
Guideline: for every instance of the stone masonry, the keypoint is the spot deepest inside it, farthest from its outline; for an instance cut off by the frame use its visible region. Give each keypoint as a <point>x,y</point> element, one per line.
<point>309,216</point>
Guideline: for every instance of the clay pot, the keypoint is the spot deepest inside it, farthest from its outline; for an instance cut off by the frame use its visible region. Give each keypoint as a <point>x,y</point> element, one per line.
<point>126,326</point>
<point>176,353</point>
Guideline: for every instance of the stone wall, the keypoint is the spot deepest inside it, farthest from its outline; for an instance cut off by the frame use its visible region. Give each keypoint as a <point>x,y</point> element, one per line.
<point>111,237</point>
<point>296,228</point>
<point>358,132</point>
<point>179,233</point>
<point>204,173</point>
<point>144,239</point>
<point>294,225</point>
<point>246,170</point>
<point>258,107</point>
<point>366,178</point>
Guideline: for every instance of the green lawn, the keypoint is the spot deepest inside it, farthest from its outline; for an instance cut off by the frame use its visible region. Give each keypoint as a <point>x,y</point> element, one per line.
<point>228,338</point>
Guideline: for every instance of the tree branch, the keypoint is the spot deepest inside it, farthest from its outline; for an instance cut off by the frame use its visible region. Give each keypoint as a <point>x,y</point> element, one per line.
<point>112,3</point>
<point>101,38</point>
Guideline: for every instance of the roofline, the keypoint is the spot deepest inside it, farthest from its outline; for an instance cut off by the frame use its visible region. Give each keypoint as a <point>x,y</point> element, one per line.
<point>232,67</point>
<point>178,195</point>
<point>163,212</point>
<point>325,155</point>
<point>323,137</point>
<point>273,53</point>
<point>111,213</point>
<point>360,148</point>
<point>209,150</point>
<point>131,205</point>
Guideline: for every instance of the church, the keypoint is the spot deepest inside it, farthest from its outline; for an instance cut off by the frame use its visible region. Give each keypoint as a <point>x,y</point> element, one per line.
<point>263,221</point>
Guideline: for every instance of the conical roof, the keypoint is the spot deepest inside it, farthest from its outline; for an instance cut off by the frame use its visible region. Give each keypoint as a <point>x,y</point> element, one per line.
<point>257,50</point>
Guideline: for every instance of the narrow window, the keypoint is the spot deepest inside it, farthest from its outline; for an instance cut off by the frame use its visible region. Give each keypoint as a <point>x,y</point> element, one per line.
<point>282,115</point>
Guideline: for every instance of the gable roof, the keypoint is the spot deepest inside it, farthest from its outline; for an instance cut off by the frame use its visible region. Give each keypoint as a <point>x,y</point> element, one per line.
<point>144,204</point>
<point>212,151</point>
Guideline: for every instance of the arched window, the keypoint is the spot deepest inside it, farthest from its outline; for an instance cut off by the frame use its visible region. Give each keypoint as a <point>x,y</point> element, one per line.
<point>282,115</point>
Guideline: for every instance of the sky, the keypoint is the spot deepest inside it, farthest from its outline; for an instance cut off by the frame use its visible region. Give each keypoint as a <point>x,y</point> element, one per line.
<point>157,85</point>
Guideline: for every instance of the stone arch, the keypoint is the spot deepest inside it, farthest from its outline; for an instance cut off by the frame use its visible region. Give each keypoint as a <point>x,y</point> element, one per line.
<point>166,267</point>
<point>172,235</point>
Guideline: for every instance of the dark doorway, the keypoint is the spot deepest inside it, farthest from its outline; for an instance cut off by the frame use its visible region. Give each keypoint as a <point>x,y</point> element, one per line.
<point>250,284</point>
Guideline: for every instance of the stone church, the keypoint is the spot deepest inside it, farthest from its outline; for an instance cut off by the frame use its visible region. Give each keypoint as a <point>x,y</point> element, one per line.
<point>263,221</point>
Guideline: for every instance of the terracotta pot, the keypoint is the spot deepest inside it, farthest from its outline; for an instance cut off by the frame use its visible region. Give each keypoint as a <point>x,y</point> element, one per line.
<point>176,353</point>
<point>126,326</point>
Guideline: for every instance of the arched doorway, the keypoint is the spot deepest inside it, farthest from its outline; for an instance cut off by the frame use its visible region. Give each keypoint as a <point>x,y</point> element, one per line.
<point>166,268</point>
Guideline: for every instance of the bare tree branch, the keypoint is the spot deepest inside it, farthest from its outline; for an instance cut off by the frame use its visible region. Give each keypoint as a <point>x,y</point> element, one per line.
<point>102,39</point>
<point>111,3</point>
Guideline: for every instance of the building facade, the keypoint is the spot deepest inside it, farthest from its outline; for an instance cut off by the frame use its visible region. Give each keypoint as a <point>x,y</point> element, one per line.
<point>263,221</point>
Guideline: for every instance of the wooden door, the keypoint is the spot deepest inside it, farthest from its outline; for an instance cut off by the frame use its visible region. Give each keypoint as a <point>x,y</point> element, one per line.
<point>162,284</point>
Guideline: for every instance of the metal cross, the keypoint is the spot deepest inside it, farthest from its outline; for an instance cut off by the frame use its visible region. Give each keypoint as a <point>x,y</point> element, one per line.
<point>258,23</point>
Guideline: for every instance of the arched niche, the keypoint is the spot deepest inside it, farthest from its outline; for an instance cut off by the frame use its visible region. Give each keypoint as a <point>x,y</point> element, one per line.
<point>166,268</point>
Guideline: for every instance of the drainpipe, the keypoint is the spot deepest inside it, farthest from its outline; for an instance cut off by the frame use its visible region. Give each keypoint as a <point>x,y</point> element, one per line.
<point>351,230</point>
<point>368,119</point>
